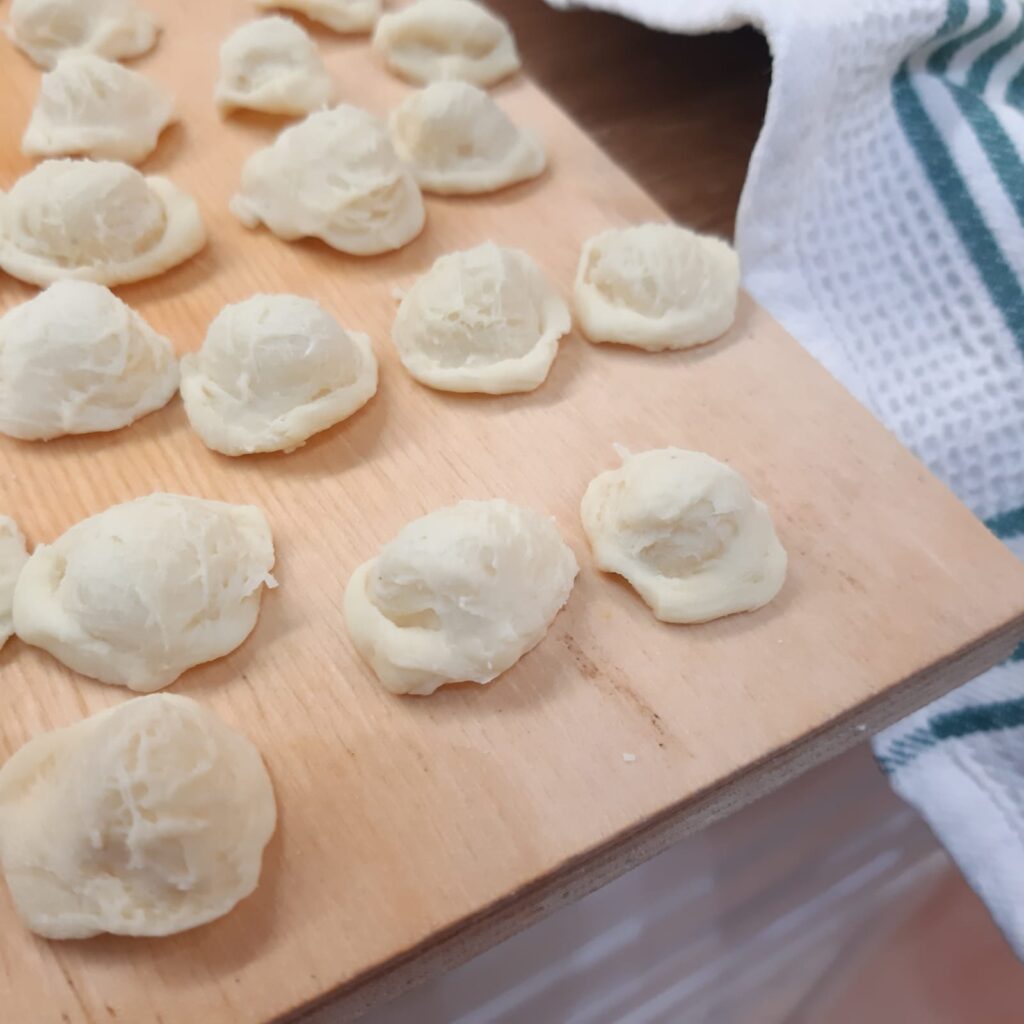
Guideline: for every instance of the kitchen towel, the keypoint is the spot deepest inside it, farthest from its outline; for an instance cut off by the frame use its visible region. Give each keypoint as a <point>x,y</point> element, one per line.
<point>882,223</point>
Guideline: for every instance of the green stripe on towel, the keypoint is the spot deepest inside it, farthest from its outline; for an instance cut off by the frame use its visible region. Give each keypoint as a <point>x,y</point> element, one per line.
<point>930,147</point>
<point>981,70</point>
<point>997,145</point>
<point>939,61</point>
<point>996,274</point>
<point>956,15</point>
<point>968,721</point>
<point>1015,90</point>
<point>1005,714</point>
<point>991,135</point>
<point>1008,524</point>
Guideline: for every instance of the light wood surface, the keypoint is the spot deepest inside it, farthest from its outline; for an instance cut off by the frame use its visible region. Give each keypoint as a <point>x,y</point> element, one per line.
<point>415,831</point>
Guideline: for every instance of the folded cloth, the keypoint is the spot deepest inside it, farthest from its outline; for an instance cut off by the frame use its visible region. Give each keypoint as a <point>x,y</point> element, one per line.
<point>881,224</point>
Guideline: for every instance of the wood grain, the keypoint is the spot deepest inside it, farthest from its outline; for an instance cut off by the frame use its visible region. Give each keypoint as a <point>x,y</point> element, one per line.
<point>415,831</point>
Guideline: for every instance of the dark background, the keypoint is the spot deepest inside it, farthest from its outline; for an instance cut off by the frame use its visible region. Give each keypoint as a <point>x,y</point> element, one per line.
<point>680,113</point>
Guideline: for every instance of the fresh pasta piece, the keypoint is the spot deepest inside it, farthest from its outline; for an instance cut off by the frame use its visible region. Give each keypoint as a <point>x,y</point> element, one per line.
<point>137,594</point>
<point>148,818</point>
<point>656,286</point>
<point>46,29</point>
<point>460,595</point>
<point>334,176</point>
<point>484,319</point>
<point>273,371</point>
<point>95,221</point>
<point>458,141</point>
<point>686,533</point>
<point>271,65</point>
<point>338,15</point>
<point>432,40</point>
<point>88,106</point>
<point>76,359</point>
<point>13,557</point>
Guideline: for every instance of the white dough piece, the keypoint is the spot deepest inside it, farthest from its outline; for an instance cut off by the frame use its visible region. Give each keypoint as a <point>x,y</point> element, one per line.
<point>656,286</point>
<point>683,529</point>
<point>273,371</point>
<point>460,595</point>
<point>271,65</point>
<point>334,176</point>
<point>88,106</point>
<point>76,359</point>
<point>13,556</point>
<point>95,221</point>
<point>115,29</point>
<point>432,40</point>
<point>137,594</point>
<point>458,141</point>
<point>484,319</point>
<point>146,819</point>
<point>338,15</point>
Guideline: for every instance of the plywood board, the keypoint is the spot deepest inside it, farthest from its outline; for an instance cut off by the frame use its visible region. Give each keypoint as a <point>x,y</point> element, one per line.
<point>413,831</point>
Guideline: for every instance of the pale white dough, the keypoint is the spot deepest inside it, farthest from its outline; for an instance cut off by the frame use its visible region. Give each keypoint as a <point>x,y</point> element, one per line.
<point>88,106</point>
<point>13,557</point>
<point>685,531</point>
<point>656,286</point>
<point>95,221</point>
<point>271,65</point>
<point>141,592</point>
<point>458,141</point>
<point>334,176</point>
<point>338,15</point>
<point>45,29</point>
<point>146,819</point>
<point>484,319</point>
<point>460,595</point>
<point>273,371</point>
<point>433,40</point>
<point>76,359</point>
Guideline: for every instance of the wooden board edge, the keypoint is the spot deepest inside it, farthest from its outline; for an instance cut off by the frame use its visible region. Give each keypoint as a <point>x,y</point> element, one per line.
<point>600,865</point>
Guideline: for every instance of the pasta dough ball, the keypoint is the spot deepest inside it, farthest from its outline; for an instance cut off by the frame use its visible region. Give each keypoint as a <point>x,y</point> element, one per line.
<point>339,15</point>
<point>88,106</point>
<point>458,141</point>
<point>273,371</point>
<point>683,529</point>
<point>45,29</point>
<point>656,286</point>
<point>271,65</point>
<point>95,221</point>
<point>13,557</point>
<point>438,39</point>
<point>75,359</point>
<point>484,319</point>
<point>139,593</point>
<point>334,176</point>
<point>145,819</point>
<point>459,595</point>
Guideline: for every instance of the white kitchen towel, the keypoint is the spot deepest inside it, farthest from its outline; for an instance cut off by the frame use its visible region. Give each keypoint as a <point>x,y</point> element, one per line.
<point>882,222</point>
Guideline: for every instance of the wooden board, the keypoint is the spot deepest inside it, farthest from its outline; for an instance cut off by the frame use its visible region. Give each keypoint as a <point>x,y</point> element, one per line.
<point>415,831</point>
